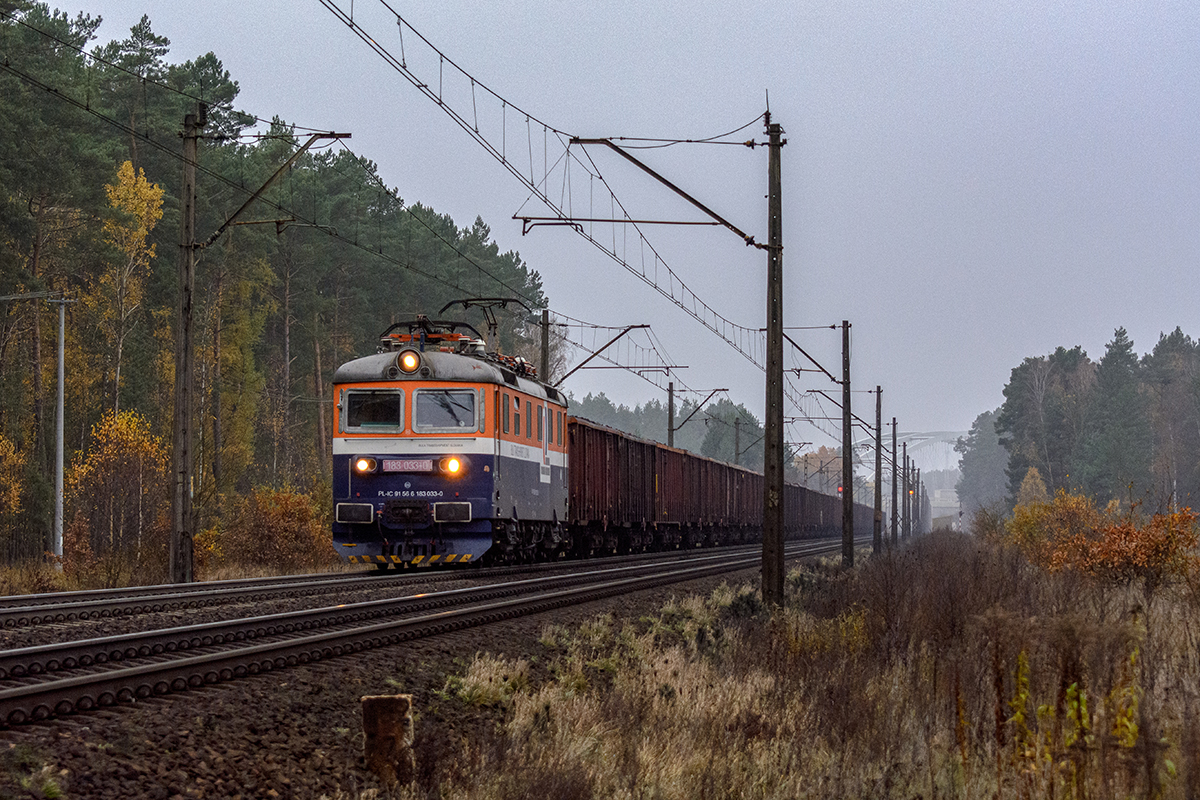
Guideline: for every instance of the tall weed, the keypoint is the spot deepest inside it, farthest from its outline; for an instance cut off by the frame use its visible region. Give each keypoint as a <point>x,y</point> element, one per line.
<point>954,668</point>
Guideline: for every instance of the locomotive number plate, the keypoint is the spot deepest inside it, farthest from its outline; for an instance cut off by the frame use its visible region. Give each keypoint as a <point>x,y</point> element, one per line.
<point>407,465</point>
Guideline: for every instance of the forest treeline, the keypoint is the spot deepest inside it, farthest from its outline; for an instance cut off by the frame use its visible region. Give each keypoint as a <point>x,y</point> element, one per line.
<point>1124,429</point>
<point>90,182</point>
<point>90,179</point>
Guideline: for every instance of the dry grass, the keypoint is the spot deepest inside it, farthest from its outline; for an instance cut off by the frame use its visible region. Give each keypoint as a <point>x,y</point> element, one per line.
<point>489,681</point>
<point>953,669</point>
<point>36,578</point>
<point>270,532</point>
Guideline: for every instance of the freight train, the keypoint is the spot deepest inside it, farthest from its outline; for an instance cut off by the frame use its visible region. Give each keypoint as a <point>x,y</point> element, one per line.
<point>445,453</point>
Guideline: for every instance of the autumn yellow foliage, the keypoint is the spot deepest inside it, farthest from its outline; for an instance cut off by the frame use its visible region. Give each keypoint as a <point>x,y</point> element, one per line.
<point>1041,528</point>
<point>117,296</point>
<point>1033,488</point>
<point>1070,533</point>
<point>117,501</point>
<point>140,205</point>
<point>11,461</point>
<point>281,529</point>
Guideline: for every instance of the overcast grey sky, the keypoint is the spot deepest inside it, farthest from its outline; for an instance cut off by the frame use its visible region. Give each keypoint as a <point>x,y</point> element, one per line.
<point>969,183</point>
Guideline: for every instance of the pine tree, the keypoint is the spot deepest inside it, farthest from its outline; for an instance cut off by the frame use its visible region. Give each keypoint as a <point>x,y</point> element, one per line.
<point>277,308</point>
<point>1044,416</point>
<point>1171,380</point>
<point>1114,460</point>
<point>984,461</point>
<point>719,440</point>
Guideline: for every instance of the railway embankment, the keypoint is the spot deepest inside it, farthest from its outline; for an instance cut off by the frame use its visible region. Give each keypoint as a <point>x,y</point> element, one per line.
<point>957,665</point>
<point>295,732</point>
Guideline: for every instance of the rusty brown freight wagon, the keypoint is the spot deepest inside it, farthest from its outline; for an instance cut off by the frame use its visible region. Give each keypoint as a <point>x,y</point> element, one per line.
<point>628,493</point>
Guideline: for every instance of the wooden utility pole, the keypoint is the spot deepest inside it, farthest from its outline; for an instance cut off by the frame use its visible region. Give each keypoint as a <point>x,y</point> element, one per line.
<point>545,373</point>
<point>182,455</point>
<point>847,455</point>
<point>183,517</point>
<point>904,498</point>
<point>218,436</point>
<point>877,534</point>
<point>895,478</point>
<point>912,498</point>
<point>670,413</point>
<point>772,558</point>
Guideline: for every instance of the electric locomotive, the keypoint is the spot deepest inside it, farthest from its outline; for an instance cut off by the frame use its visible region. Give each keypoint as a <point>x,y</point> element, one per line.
<point>443,452</point>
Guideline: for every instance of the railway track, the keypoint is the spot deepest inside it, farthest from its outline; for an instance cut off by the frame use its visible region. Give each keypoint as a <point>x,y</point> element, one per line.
<point>20,611</point>
<point>70,677</point>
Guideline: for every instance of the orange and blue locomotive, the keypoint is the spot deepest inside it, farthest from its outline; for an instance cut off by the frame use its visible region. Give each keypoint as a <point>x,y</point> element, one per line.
<point>443,452</point>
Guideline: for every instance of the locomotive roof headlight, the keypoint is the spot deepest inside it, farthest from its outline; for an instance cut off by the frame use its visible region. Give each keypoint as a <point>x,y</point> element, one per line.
<point>452,465</point>
<point>365,464</point>
<point>409,361</point>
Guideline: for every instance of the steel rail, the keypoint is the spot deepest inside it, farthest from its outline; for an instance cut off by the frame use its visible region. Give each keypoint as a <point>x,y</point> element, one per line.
<point>50,598</point>
<point>18,611</point>
<point>372,577</point>
<point>119,606</point>
<point>83,693</point>
<point>40,659</point>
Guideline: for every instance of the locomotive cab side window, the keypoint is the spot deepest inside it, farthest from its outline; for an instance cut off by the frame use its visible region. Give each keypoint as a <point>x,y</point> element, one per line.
<point>445,411</point>
<point>374,410</point>
<point>516,416</point>
<point>504,403</point>
<point>540,414</point>
<point>528,420</point>
<point>560,430</point>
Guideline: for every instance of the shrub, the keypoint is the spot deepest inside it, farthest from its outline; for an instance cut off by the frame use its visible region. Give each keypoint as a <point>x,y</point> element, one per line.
<point>1069,533</point>
<point>283,529</point>
<point>33,578</point>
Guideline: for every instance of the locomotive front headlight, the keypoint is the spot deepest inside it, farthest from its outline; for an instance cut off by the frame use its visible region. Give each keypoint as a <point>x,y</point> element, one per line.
<point>452,465</point>
<point>365,464</point>
<point>409,361</point>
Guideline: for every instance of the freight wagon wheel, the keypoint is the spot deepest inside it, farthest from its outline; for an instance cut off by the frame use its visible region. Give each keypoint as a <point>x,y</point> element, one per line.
<point>383,567</point>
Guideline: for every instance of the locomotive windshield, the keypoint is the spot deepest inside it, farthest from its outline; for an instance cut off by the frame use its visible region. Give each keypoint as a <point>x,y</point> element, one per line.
<point>375,410</point>
<point>444,410</point>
